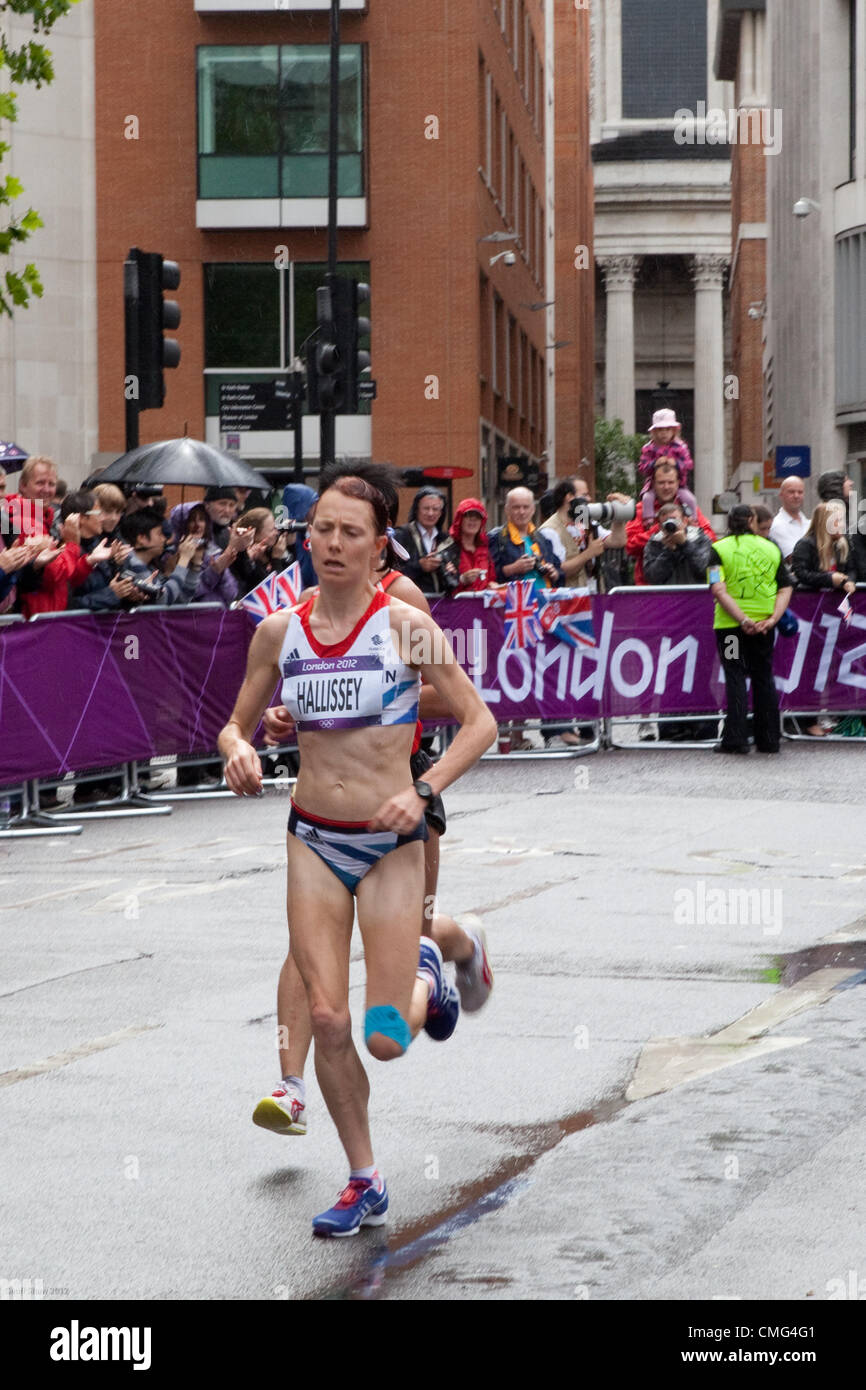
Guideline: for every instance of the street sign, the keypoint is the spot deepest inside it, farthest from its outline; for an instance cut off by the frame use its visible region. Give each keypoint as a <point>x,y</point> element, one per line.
<point>793,461</point>
<point>367,390</point>
<point>255,405</point>
<point>438,472</point>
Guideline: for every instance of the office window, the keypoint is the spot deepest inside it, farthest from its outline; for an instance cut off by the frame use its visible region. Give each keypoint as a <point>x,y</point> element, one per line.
<point>517,187</point>
<point>496,346</point>
<point>257,319</point>
<point>527,215</point>
<point>850,322</point>
<point>242,315</point>
<point>503,173</point>
<point>263,121</point>
<point>685,80</point>
<point>488,127</point>
<point>503,15</point>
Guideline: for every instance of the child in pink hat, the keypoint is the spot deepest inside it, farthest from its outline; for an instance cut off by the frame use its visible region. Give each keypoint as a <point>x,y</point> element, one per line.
<point>665,441</point>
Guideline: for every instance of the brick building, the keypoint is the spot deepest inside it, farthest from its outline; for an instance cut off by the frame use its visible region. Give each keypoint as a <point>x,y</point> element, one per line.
<point>742,58</point>
<point>211,147</point>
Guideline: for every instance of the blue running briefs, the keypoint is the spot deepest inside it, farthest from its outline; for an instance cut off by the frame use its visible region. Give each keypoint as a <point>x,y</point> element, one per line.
<point>349,849</point>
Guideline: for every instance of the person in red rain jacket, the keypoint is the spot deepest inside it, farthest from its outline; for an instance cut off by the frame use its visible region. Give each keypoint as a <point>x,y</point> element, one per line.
<point>71,564</point>
<point>469,533</point>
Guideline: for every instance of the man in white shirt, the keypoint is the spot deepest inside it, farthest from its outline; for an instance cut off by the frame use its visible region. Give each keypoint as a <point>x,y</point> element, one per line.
<point>576,548</point>
<point>789,523</point>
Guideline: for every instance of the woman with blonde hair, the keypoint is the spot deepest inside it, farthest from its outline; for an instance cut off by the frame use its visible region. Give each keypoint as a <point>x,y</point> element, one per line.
<point>821,558</point>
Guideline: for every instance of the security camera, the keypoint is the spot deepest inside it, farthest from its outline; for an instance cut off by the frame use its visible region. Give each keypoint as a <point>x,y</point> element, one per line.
<point>804,206</point>
<point>509,258</point>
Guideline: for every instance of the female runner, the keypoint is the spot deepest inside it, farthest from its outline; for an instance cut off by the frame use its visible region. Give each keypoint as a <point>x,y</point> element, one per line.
<point>350,660</point>
<point>284,1110</point>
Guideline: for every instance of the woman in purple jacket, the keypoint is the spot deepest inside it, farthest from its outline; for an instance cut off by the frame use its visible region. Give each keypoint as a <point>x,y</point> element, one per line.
<point>214,586</point>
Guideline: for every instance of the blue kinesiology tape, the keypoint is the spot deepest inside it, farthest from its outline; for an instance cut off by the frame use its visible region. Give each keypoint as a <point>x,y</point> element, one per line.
<point>385,1019</point>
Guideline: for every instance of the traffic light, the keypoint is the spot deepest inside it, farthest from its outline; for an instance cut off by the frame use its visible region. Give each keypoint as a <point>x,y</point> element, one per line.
<point>148,351</point>
<point>335,368</point>
<point>326,381</point>
<point>359,358</point>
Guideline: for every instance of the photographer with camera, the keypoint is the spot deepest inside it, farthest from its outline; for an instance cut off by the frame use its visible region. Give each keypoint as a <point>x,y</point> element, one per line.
<point>666,482</point>
<point>677,552</point>
<point>520,551</point>
<point>578,539</point>
<point>136,578</point>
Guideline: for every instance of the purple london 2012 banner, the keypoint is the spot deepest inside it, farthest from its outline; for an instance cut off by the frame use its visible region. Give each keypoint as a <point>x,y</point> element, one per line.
<point>655,653</point>
<point>85,691</point>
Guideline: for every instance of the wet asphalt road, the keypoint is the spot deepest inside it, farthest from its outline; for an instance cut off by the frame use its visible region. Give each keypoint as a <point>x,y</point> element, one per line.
<point>139,966</point>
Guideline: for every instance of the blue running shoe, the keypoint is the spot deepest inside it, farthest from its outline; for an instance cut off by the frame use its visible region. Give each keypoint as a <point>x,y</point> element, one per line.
<point>359,1204</point>
<point>443,1009</point>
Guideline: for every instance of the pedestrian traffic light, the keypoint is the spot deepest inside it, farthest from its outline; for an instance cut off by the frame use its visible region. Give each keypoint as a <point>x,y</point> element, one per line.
<point>150,352</point>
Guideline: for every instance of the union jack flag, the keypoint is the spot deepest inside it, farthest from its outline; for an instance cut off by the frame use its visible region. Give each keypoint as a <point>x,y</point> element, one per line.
<point>569,617</point>
<point>280,590</point>
<point>522,626</point>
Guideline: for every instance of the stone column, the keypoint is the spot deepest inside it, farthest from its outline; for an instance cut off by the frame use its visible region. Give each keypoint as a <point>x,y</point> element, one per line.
<point>708,446</point>
<point>619,276</point>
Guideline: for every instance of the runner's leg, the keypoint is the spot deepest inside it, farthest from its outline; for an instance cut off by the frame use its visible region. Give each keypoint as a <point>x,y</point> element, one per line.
<point>391,938</point>
<point>321,914</point>
<point>294,1031</point>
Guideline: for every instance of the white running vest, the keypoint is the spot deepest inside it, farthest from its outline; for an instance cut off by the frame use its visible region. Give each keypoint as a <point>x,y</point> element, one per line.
<point>352,684</point>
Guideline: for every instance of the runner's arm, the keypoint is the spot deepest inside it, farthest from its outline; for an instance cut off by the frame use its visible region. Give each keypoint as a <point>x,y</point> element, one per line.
<point>243,769</point>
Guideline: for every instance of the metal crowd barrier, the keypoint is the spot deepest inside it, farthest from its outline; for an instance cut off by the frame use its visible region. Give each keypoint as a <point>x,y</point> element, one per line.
<point>704,716</point>
<point>128,802</point>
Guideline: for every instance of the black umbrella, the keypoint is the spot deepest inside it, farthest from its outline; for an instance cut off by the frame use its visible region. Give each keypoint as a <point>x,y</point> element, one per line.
<point>184,462</point>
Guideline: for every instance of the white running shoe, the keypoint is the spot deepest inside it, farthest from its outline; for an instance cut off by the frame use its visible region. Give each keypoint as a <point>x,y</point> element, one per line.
<point>283,1112</point>
<point>474,977</point>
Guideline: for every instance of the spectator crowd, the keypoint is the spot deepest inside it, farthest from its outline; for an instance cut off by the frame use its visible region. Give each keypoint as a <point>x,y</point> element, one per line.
<point>102,549</point>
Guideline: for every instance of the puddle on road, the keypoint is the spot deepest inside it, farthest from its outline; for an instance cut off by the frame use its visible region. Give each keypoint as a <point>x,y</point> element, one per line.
<point>836,955</point>
<point>414,1243</point>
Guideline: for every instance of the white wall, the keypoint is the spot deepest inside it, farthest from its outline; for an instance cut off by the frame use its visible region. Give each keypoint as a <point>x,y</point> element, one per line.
<point>808,46</point>
<point>48,367</point>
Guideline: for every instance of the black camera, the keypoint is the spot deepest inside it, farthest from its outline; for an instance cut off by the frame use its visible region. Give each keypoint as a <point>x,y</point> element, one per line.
<point>144,586</point>
<point>670,524</point>
<point>286,524</point>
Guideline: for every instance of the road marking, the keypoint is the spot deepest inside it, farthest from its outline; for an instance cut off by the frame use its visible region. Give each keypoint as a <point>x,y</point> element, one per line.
<point>160,891</point>
<point>67,892</point>
<point>668,1062</point>
<point>83,970</point>
<point>74,1054</point>
<point>84,854</point>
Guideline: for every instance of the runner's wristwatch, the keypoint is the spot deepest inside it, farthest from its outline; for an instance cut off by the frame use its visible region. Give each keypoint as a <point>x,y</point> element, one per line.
<point>424,790</point>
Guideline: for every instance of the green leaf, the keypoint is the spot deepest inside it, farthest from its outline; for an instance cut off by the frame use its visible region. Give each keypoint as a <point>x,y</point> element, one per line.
<point>13,188</point>
<point>31,220</point>
<point>17,288</point>
<point>8,108</point>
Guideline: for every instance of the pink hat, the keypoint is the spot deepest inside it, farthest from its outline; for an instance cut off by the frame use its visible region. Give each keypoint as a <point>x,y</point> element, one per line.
<point>665,420</point>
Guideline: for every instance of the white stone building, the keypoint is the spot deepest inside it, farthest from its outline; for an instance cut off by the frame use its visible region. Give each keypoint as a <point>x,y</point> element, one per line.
<point>662,222</point>
<point>815,343</point>
<point>48,375</point>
